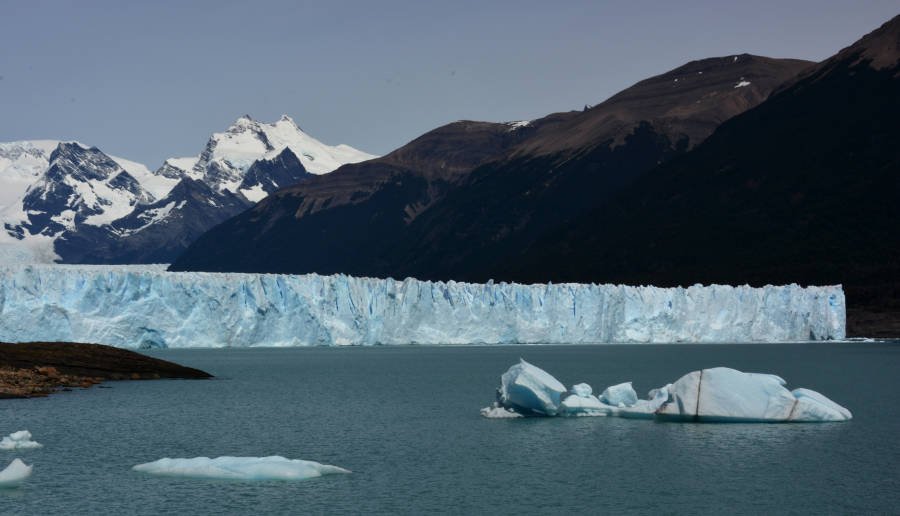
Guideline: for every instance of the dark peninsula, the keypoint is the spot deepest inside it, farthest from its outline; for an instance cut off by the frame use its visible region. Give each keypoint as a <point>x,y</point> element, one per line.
<point>36,369</point>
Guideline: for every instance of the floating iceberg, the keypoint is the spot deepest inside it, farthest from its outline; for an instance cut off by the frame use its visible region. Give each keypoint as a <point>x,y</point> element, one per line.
<point>239,468</point>
<point>723,394</point>
<point>719,394</point>
<point>582,389</point>
<point>621,395</point>
<point>14,474</point>
<point>145,306</point>
<point>495,411</point>
<point>530,389</point>
<point>20,440</point>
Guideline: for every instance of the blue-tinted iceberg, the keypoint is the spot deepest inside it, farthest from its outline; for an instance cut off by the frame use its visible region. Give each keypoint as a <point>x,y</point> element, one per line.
<point>239,468</point>
<point>145,306</point>
<point>14,474</point>
<point>582,389</point>
<point>621,395</point>
<point>20,440</point>
<point>529,389</point>
<point>719,394</point>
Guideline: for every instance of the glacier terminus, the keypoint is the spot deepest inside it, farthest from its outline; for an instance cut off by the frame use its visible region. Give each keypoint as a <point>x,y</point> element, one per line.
<point>147,307</point>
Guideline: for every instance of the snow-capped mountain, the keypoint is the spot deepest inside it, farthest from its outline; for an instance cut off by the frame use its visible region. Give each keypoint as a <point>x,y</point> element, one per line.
<point>64,201</point>
<point>231,153</point>
<point>51,187</point>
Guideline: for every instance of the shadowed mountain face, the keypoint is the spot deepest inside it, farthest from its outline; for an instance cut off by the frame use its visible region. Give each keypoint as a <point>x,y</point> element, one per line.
<point>470,195</point>
<point>804,188</point>
<point>156,232</point>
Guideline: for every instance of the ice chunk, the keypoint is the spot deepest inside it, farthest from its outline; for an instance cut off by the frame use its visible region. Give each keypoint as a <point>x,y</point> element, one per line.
<point>20,440</point>
<point>582,389</point>
<point>145,306</point>
<point>812,406</point>
<point>647,408</point>
<point>724,394</point>
<point>575,405</point>
<point>495,411</point>
<point>621,395</point>
<point>529,389</point>
<point>710,395</point>
<point>239,468</point>
<point>14,474</point>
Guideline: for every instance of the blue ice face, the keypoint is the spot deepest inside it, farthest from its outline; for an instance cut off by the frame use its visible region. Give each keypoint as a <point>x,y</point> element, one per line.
<point>145,306</point>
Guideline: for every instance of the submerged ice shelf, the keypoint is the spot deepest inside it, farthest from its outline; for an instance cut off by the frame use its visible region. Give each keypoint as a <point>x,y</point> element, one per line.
<point>239,468</point>
<point>145,306</point>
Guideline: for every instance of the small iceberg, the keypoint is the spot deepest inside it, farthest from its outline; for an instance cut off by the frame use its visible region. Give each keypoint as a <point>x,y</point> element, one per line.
<point>20,440</point>
<point>530,390</point>
<point>239,468</point>
<point>495,411</point>
<point>718,394</point>
<point>14,474</point>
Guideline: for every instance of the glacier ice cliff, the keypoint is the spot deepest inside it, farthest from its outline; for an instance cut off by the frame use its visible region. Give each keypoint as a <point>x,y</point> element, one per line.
<point>718,394</point>
<point>145,306</point>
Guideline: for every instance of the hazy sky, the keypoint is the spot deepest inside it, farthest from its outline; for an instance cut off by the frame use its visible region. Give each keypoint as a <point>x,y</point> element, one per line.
<point>149,80</point>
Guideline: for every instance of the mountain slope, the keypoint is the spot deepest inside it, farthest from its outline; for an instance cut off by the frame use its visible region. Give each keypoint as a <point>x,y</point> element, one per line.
<point>49,192</point>
<point>64,201</point>
<point>332,223</point>
<point>803,188</point>
<point>468,191</point>
<point>154,232</point>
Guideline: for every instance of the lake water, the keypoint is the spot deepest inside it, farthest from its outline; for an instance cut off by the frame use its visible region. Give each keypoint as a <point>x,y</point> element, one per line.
<point>406,421</point>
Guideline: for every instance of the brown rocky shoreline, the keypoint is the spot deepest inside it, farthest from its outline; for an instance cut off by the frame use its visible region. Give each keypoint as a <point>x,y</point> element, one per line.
<point>37,369</point>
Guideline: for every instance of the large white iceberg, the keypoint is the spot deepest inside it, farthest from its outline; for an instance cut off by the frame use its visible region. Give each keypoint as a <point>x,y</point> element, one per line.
<point>145,306</point>
<point>719,394</point>
<point>20,440</point>
<point>724,394</point>
<point>239,468</point>
<point>14,474</point>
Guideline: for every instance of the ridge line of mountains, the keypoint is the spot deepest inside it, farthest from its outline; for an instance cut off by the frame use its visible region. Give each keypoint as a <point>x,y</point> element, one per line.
<point>737,169</point>
<point>67,202</point>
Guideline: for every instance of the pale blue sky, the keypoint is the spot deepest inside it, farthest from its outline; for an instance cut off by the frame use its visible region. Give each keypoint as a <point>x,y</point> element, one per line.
<point>150,80</point>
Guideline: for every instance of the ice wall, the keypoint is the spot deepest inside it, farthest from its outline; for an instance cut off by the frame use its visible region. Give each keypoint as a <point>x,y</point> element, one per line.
<point>145,306</point>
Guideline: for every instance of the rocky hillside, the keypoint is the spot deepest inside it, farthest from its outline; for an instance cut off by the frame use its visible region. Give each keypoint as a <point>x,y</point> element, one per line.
<point>466,195</point>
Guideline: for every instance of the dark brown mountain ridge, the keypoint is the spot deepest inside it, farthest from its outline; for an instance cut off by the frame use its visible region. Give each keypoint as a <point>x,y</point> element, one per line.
<point>353,219</point>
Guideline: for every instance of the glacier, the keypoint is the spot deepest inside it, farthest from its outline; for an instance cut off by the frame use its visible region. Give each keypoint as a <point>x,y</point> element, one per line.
<point>148,307</point>
<point>718,394</point>
<point>239,468</point>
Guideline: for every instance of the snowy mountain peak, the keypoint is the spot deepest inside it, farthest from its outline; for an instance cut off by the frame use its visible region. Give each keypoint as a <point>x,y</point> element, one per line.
<point>68,201</point>
<point>230,154</point>
<point>81,185</point>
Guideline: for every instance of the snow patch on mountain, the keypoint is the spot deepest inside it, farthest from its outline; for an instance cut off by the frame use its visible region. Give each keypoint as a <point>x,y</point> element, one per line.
<point>255,193</point>
<point>518,125</point>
